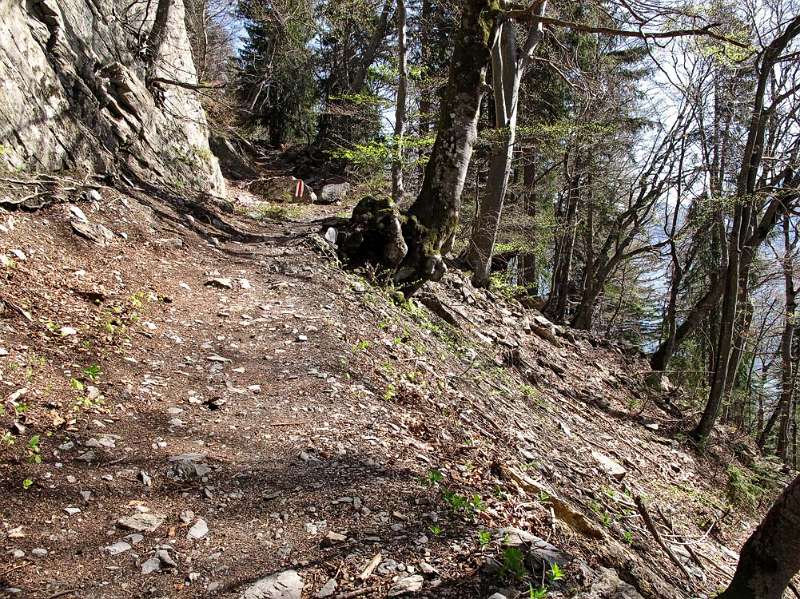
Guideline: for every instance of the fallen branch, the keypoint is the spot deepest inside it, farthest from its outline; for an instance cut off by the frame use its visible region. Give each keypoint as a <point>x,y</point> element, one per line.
<point>648,521</point>
<point>358,593</point>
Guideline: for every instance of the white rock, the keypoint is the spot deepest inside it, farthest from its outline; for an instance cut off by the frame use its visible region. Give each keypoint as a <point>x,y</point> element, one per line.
<point>328,589</point>
<point>284,585</point>
<point>199,530</point>
<point>117,548</point>
<point>611,467</point>
<point>407,585</point>
<point>142,522</point>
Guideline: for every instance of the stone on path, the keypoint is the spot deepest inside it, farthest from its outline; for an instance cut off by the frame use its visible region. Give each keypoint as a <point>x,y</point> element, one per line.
<point>220,283</point>
<point>334,192</point>
<point>407,585</point>
<point>538,549</point>
<point>117,548</point>
<point>283,585</point>
<point>142,522</point>
<point>199,530</point>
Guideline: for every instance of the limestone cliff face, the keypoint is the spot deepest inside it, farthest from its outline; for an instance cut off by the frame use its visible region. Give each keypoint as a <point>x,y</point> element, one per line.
<point>73,94</point>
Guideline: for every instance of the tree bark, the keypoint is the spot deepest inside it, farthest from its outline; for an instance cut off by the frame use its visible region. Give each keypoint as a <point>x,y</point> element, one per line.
<point>771,556</point>
<point>433,216</point>
<point>787,338</point>
<point>556,308</point>
<point>508,67</point>
<point>398,188</point>
<point>157,33</point>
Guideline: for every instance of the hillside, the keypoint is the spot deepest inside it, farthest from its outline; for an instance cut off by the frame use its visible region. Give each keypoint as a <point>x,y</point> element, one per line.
<point>215,404</point>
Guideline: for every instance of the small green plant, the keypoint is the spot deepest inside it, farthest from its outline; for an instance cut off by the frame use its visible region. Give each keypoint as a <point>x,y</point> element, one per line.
<point>7,439</point>
<point>537,593</point>
<point>555,573</point>
<point>92,372</point>
<point>76,385</point>
<point>456,501</point>
<point>362,345</point>
<point>543,497</point>
<point>513,563</point>
<point>27,484</point>
<point>434,477</point>
<point>34,450</point>
<point>484,538</point>
<point>390,393</point>
<point>627,536</point>
<point>435,529</point>
<point>476,503</point>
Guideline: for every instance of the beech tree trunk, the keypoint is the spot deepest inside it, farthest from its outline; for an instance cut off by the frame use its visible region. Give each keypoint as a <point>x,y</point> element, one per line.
<point>771,556</point>
<point>157,33</point>
<point>433,216</point>
<point>398,188</point>
<point>508,67</point>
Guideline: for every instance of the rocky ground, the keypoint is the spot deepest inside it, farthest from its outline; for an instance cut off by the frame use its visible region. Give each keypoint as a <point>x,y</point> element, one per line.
<point>200,405</point>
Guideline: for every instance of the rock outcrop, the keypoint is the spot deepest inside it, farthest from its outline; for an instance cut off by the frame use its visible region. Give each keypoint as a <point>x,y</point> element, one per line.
<point>79,90</point>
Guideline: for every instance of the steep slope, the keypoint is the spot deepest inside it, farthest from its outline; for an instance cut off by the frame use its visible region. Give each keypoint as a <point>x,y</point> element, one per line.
<point>256,410</point>
<point>73,94</point>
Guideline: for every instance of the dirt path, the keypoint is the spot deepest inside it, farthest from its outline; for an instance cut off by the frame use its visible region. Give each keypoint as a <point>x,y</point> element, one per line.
<point>208,414</point>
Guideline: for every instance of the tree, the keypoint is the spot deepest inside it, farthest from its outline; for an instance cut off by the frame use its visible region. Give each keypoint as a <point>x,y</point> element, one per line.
<point>398,188</point>
<point>771,556</point>
<point>508,67</point>
<point>275,81</point>
<point>433,216</point>
<point>743,239</point>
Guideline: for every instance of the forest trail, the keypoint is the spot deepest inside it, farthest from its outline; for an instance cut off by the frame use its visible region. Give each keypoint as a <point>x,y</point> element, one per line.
<point>256,410</point>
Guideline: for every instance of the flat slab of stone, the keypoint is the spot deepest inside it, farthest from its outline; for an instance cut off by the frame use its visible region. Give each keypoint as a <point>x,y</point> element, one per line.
<point>141,522</point>
<point>283,585</point>
<point>612,468</point>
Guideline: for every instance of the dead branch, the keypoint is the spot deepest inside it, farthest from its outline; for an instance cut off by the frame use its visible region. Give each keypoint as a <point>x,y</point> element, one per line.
<point>648,521</point>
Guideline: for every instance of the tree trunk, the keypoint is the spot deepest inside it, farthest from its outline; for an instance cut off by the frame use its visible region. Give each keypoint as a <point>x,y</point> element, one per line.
<point>740,238</point>
<point>771,556</point>
<point>508,67</point>
<point>425,33</point>
<point>433,216</point>
<point>665,351</point>
<point>787,338</point>
<point>398,188</point>
<point>556,308</point>
<point>157,33</point>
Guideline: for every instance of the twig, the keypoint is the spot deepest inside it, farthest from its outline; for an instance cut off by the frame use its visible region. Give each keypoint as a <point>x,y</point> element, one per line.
<point>679,537</point>
<point>648,521</point>
<point>62,593</point>
<point>373,563</point>
<point>16,308</point>
<point>17,567</point>
<point>357,593</point>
